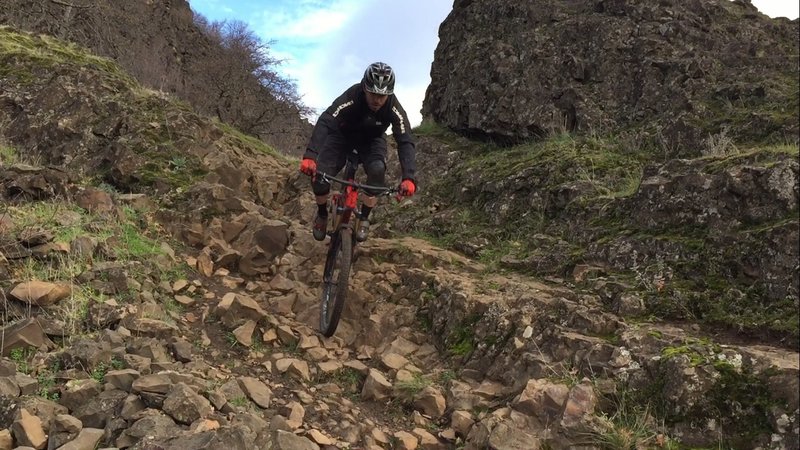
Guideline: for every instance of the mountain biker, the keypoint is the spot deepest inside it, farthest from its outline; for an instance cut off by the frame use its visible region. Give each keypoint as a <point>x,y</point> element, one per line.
<point>358,119</point>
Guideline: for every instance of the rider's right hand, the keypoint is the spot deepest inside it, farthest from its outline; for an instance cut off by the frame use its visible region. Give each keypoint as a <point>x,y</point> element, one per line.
<point>406,189</point>
<point>308,166</point>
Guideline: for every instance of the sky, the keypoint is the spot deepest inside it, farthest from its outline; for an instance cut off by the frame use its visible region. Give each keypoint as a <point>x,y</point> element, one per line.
<point>327,44</point>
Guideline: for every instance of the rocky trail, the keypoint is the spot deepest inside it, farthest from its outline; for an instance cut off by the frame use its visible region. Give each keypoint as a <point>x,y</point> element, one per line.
<point>433,352</point>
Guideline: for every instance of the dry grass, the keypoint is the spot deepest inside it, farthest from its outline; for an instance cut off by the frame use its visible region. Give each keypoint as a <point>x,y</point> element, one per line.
<point>64,222</point>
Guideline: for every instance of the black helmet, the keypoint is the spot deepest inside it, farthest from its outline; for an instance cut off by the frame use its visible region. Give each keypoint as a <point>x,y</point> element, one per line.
<point>379,79</point>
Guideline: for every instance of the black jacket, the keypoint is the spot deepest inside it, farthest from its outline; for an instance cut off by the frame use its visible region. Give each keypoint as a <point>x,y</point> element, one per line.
<point>350,115</point>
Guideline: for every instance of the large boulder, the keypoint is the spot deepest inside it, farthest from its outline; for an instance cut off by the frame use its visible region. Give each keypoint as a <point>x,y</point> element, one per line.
<point>514,71</point>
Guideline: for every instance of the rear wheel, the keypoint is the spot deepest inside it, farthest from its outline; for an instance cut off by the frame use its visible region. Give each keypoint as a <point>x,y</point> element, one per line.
<point>335,281</point>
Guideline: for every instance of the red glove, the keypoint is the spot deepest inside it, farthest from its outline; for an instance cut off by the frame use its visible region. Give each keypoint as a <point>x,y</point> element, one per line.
<point>407,188</point>
<point>308,166</point>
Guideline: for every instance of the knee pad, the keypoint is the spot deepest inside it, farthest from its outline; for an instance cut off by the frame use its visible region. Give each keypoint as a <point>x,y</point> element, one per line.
<point>319,187</point>
<point>376,172</point>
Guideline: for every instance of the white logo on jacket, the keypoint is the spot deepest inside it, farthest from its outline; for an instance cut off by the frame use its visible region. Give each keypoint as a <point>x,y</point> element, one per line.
<point>341,107</point>
<point>400,118</point>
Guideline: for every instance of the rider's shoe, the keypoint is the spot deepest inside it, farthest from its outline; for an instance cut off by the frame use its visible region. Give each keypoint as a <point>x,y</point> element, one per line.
<point>363,230</point>
<point>320,227</point>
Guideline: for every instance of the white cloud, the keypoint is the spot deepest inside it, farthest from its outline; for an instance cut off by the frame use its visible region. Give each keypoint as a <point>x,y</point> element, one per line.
<point>778,8</point>
<point>312,92</point>
<point>411,97</point>
<point>403,34</point>
<point>317,23</point>
<point>302,22</point>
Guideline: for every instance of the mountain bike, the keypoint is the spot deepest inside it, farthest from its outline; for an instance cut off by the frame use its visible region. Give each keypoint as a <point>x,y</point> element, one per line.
<point>343,222</point>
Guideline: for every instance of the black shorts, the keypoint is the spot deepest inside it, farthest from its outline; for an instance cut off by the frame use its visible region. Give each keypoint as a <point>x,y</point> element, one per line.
<point>333,157</point>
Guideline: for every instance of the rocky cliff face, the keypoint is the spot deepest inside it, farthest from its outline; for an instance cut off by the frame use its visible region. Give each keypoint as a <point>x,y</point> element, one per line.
<point>158,43</point>
<point>677,70</point>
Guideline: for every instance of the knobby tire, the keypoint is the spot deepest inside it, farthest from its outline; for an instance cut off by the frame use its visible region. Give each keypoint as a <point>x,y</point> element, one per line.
<point>335,281</point>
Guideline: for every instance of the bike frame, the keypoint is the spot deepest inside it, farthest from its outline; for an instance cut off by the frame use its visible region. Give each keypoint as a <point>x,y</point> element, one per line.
<point>345,201</point>
<point>344,204</point>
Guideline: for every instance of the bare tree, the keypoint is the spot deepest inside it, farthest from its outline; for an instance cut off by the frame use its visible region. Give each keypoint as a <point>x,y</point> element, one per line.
<point>243,81</point>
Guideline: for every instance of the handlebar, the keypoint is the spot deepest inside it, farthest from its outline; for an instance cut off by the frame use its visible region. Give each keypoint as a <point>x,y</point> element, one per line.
<point>381,190</point>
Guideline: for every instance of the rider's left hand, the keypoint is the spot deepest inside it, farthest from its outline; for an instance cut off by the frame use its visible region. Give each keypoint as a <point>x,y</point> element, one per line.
<point>407,188</point>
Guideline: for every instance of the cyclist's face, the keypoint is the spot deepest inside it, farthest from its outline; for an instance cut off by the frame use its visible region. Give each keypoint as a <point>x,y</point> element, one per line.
<point>375,101</point>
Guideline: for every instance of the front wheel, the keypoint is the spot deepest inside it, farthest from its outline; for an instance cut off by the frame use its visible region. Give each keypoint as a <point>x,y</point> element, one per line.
<point>335,281</point>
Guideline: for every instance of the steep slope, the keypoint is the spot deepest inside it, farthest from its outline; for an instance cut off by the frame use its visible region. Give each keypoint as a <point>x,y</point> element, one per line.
<point>712,239</point>
<point>161,46</point>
